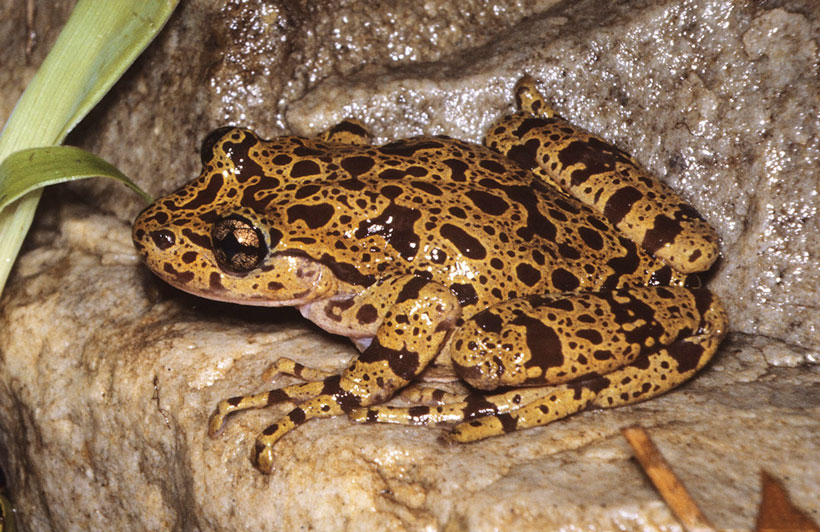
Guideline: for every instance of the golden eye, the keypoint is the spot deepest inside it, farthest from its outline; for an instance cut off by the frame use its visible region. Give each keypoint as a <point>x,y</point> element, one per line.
<point>238,245</point>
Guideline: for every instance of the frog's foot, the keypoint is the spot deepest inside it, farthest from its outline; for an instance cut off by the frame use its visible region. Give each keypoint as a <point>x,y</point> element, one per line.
<point>450,407</point>
<point>296,393</point>
<point>555,403</point>
<point>348,131</point>
<point>529,100</point>
<point>429,396</point>
<point>288,366</point>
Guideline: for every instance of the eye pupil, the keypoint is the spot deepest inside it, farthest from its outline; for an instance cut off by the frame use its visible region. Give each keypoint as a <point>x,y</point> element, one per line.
<point>238,245</point>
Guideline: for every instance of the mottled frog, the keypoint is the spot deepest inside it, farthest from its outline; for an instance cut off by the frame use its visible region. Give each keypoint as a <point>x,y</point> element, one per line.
<point>546,267</point>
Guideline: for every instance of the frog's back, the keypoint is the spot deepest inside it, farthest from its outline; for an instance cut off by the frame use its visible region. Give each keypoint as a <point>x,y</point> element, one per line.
<point>456,212</point>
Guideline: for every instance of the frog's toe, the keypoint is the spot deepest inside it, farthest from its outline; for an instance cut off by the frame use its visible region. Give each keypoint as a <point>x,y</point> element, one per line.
<point>264,457</point>
<point>359,415</point>
<point>217,419</point>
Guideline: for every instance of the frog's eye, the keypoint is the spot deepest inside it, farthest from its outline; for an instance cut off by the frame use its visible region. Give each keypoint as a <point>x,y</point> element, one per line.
<point>206,153</point>
<point>238,245</point>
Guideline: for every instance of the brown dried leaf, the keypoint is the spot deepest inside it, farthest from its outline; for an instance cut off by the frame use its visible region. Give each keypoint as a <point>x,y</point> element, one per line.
<point>776,510</point>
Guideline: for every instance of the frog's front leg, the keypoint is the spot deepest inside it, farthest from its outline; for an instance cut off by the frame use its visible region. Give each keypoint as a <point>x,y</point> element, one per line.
<point>604,177</point>
<point>415,317</point>
<point>602,349</point>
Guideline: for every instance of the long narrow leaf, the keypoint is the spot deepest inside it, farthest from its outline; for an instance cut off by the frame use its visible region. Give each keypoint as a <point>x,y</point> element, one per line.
<point>98,43</point>
<point>28,170</point>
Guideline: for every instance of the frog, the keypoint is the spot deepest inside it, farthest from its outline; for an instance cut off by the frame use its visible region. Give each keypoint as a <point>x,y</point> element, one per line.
<point>545,268</point>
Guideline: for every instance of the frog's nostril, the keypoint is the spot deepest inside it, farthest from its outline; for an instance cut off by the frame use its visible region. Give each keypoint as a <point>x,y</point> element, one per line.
<point>163,238</point>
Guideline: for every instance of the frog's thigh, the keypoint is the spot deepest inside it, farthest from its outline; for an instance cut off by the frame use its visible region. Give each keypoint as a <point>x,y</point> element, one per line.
<point>348,131</point>
<point>606,178</point>
<point>563,337</point>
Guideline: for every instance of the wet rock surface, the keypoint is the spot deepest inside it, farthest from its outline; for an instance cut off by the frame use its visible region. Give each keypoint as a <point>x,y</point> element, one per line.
<point>107,376</point>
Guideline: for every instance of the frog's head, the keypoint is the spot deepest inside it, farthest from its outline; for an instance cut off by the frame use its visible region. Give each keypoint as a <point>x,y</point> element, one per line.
<point>203,240</point>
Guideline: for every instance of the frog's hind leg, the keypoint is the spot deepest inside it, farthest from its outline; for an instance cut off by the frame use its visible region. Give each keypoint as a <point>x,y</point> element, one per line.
<point>603,349</point>
<point>348,131</point>
<point>657,338</point>
<point>606,178</point>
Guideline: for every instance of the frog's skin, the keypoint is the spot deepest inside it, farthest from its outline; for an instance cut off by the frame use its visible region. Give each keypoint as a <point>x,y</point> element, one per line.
<point>546,263</point>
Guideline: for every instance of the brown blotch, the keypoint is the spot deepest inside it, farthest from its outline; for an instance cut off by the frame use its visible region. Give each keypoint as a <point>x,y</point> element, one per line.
<point>489,203</point>
<point>527,274</point>
<point>664,230</point>
<point>543,343</point>
<point>396,225</point>
<point>468,245</point>
<point>314,216</point>
<point>367,313</point>
<point>465,293</point>
<point>620,203</point>
<point>564,280</point>
<point>305,168</point>
<point>357,166</point>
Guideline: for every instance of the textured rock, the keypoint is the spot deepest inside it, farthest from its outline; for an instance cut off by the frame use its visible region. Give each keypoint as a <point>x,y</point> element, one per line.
<point>107,376</point>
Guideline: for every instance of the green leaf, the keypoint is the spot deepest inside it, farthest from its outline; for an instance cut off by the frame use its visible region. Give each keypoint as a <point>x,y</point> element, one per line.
<point>98,43</point>
<point>7,521</point>
<point>34,168</point>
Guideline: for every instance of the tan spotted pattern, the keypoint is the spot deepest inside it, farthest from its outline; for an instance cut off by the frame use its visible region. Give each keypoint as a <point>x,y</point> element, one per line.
<point>521,267</point>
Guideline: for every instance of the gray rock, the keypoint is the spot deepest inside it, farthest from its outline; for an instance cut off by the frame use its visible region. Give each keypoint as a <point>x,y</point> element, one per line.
<point>107,376</point>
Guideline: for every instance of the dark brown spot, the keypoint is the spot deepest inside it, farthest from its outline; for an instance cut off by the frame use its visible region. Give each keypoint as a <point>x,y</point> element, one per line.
<point>619,203</point>
<point>206,195</point>
<point>411,289</point>
<point>595,156</point>
<point>307,191</point>
<point>395,225</point>
<point>543,343</point>
<point>304,168</point>
<point>458,169</point>
<point>590,335</point>
<point>404,363</point>
<point>489,203</point>
<point>357,166</point>
<point>527,274</point>
<point>564,280</point>
<point>367,313</point>
<point>469,246</point>
<point>465,293</point>
<point>427,187</point>
<point>492,166</point>
<point>489,322</point>
<point>408,147</point>
<point>664,230</point>
<point>314,216</point>
<point>239,154</point>
<point>591,238</point>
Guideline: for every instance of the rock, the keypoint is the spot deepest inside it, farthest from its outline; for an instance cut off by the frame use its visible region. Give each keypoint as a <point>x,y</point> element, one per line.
<point>107,376</point>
